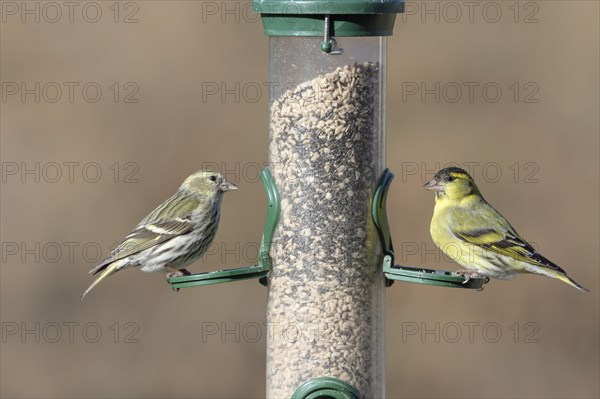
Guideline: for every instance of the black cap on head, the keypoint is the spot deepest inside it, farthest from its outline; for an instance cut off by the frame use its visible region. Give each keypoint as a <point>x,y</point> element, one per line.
<point>449,171</point>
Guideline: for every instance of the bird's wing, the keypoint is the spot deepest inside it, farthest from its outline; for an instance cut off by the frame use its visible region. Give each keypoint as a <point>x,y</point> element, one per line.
<point>144,237</point>
<point>179,205</point>
<point>488,229</point>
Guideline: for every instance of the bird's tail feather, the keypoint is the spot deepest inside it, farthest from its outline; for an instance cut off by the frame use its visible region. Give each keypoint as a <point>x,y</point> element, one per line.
<point>564,278</point>
<point>571,282</point>
<point>107,272</point>
<point>98,268</point>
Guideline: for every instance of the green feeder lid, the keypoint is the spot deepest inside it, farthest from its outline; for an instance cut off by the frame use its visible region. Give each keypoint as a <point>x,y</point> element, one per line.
<point>325,387</point>
<point>348,17</point>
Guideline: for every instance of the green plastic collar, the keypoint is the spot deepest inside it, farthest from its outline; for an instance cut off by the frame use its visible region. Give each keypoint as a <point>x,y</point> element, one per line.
<point>348,17</point>
<point>325,387</point>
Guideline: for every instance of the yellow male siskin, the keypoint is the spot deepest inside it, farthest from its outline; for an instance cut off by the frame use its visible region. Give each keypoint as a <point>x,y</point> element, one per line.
<point>175,234</point>
<point>471,232</point>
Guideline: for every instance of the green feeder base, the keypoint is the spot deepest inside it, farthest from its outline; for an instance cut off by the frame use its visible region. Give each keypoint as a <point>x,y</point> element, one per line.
<point>440,278</point>
<point>259,271</point>
<point>325,387</point>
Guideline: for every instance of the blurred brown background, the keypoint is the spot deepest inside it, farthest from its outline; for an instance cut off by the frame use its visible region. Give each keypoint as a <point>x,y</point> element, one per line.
<point>157,121</point>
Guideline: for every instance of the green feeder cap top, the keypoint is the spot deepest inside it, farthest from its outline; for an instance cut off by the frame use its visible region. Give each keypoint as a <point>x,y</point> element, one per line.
<point>327,6</point>
<point>349,17</point>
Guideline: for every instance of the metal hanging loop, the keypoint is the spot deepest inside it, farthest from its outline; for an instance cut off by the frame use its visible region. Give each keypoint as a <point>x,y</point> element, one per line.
<point>329,44</point>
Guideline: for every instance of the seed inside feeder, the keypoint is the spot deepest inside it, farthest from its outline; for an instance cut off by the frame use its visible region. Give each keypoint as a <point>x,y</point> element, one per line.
<point>325,153</point>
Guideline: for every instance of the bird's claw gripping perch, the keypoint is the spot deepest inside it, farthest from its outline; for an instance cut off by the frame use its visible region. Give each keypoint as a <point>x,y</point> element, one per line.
<point>469,274</point>
<point>177,273</point>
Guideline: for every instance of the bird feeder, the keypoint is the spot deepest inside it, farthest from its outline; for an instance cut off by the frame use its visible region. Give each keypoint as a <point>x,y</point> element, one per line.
<point>326,301</point>
<point>326,253</point>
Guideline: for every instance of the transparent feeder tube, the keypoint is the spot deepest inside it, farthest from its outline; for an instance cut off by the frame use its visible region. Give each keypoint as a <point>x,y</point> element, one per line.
<point>326,302</point>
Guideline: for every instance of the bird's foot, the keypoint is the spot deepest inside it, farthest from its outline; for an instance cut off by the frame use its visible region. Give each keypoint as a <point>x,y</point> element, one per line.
<point>177,273</point>
<point>468,274</point>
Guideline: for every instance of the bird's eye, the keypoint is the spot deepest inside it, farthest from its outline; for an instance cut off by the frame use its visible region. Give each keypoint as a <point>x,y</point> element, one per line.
<point>450,178</point>
<point>213,178</point>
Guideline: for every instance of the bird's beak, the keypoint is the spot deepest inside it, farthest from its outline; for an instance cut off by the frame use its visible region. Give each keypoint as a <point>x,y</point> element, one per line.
<point>433,185</point>
<point>227,186</point>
